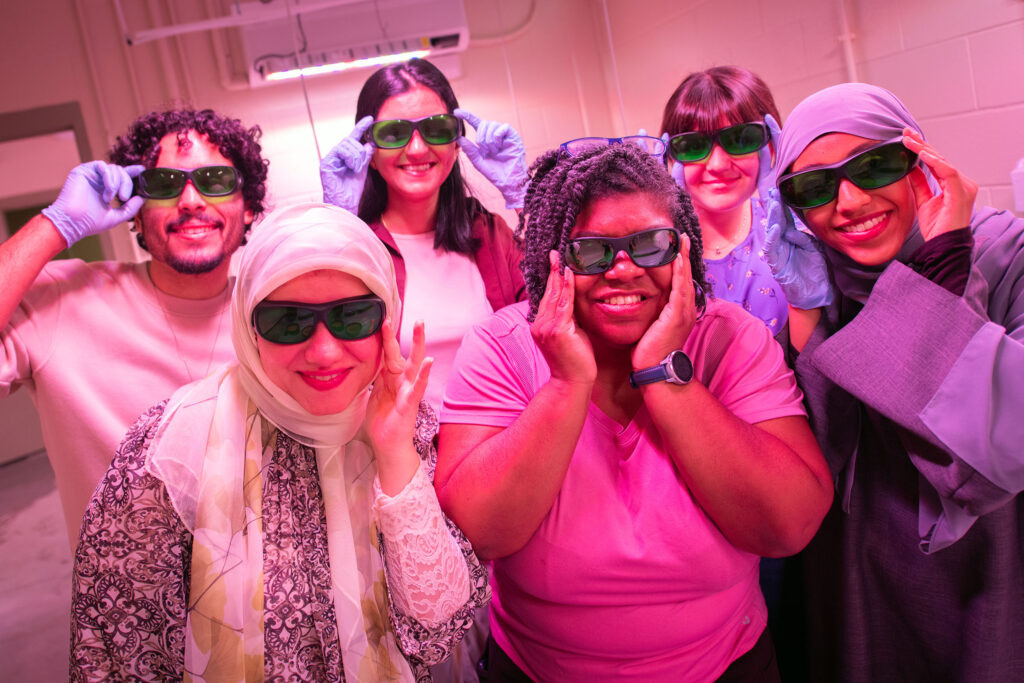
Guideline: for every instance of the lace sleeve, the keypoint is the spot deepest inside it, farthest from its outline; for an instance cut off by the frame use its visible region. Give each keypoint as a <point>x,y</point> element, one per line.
<point>434,579</point>
<point>130,573</point>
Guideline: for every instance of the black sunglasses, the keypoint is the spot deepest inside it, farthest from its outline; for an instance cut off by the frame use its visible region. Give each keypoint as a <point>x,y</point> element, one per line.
<point>168,183</point>
<point>435,130</point>
<point>290,322</point>
<point>743,138</point>
<point>647,249</point>
<point>871,169</point>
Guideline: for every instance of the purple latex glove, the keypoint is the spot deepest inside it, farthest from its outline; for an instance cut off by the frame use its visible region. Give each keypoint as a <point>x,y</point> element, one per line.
<point>765,177</point>
<point>343,169</point>
<point>794,258</point>
<point>500,156</point>
<point>83,206</point>
<point>675,167</point>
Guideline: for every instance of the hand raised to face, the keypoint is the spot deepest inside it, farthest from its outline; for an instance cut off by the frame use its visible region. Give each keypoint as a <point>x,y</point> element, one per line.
<point>673,325</point>
<point>397,392</point>
<point>950,210</point>
<point>565,345</point>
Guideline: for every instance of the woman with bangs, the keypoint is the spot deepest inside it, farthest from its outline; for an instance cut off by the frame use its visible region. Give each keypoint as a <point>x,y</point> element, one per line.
<point>912,385</point>
<point>719,124</point>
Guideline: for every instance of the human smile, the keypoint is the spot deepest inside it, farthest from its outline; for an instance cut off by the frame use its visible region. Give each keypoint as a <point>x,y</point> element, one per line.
<point>324,380</point>
<point>418,169</point>
<point>865,228</point>
<point>195,231</point>
<point>621,303</point>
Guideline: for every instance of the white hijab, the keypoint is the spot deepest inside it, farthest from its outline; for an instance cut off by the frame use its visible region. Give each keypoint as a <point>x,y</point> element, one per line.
<point>208,451</point>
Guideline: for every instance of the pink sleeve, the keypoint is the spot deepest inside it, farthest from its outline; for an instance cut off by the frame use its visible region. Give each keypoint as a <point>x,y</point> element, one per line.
<point>496,372</point>
<point>737,359</point>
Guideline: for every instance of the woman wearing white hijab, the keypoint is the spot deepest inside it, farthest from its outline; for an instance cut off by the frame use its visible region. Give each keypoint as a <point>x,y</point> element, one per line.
<point>912,379</point>
<point>275,520</point>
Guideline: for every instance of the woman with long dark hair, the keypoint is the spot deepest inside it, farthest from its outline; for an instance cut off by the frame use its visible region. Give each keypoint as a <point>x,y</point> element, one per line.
<point>456,261</point>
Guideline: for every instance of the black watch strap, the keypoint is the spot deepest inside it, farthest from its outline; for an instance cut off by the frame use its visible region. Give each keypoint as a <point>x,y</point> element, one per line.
<point>675,369</point>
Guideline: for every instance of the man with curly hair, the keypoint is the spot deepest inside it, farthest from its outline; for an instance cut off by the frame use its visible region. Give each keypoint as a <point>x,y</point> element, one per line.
<point>98,343</point>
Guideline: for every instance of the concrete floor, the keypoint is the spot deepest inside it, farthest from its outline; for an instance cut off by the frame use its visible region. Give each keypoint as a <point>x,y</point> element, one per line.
<point>35,574</point>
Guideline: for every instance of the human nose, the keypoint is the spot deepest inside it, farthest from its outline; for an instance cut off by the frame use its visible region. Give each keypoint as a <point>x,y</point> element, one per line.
<point>719,158</point>
<point>416,144</point>
<point>623,268</point>
<point>850,197</point>
<point>323,348</point>
<point>190,198</point>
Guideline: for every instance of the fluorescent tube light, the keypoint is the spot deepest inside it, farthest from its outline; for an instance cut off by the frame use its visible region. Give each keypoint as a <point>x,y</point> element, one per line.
<point>343,66</point>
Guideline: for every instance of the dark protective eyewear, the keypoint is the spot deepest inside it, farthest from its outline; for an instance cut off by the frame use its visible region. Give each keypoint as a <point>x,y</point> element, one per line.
<point>871,169</point>
<point>168,183</point>
<point>743,138</point>
<point>653,146</point>
<point>647,249</point>
<point>435,130</point>
<point>290,322</point>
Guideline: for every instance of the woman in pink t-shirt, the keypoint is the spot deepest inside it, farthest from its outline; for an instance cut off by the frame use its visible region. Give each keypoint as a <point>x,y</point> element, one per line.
<point>621,446</point>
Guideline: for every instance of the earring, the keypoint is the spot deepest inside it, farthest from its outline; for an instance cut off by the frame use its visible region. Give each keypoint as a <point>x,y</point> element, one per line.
<point>138,236</point>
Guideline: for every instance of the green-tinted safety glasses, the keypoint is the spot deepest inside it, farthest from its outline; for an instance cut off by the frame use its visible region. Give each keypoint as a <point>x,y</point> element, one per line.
<point>871,169</point>
<point>291,322</point>
<point>168,183</point>
<point>395,133</point>
<point>647,249</point>
<point>743,138</point>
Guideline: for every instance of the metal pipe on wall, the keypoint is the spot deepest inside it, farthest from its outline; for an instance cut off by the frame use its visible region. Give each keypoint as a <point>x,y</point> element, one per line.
<point>846,38</point>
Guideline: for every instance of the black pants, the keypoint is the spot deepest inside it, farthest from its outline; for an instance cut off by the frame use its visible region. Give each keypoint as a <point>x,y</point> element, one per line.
<point>757,665</point>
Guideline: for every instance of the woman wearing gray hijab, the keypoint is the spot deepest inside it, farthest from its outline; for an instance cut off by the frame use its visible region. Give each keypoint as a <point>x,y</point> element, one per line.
<point>912,379</point>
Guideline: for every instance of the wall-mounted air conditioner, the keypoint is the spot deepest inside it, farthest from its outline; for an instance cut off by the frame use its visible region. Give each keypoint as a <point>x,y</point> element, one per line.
<point>317,37</point>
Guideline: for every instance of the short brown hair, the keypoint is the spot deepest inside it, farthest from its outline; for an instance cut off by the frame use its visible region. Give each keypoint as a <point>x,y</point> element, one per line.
<point>704,98</point>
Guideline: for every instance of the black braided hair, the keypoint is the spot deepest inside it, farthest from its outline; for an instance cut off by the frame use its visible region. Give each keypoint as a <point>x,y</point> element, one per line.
<point>562,185</point>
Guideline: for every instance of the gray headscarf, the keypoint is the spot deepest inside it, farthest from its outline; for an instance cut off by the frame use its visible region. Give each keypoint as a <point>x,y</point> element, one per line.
<point>867,111</point>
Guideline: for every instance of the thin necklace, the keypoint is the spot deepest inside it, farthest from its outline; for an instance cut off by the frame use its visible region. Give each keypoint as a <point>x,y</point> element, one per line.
<point>727,247</point>
<point>177,346</point>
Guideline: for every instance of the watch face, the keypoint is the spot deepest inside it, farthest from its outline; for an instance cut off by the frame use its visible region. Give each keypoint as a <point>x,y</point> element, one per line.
<point>681,366</point>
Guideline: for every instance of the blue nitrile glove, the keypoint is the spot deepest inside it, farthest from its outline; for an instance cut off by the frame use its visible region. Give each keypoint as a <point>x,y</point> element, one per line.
<point>795,259</point>
<point>677,174</point>
<point>83,205</point>
<point>765,177</point>
<point>499,155</point>
<point>343,169</point>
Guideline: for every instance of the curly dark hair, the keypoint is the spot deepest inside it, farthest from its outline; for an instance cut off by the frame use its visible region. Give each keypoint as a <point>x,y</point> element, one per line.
<point>457,209</point>
<point>141,145</point>
<point>562,185</point>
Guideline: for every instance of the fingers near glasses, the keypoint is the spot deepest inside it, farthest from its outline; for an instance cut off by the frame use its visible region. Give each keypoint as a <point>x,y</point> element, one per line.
<point>393,361</point>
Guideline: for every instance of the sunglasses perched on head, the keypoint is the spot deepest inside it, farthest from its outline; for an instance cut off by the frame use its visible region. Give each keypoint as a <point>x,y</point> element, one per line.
<point>743,138</point>
<point>289,322</point>
<point>168,183</point>
<point>653,146</point>
<point>647,249</point>
<point>871,169</point>
<point>435,130</point>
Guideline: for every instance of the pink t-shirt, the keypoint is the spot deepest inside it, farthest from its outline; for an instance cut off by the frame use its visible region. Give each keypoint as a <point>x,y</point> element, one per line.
<point>626,578</point>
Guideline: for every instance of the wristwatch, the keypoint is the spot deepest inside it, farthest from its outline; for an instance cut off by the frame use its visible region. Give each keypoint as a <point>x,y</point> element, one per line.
<point>675,369</point>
